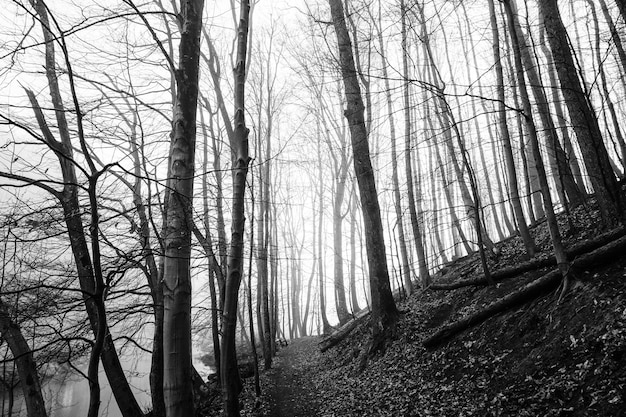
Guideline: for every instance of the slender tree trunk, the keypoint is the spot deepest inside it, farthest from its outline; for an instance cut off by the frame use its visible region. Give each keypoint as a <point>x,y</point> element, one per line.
<point>417,232</point>
<point>353,242</point>
<point>564,180</point>
<point>231,382</point>
<point>529,243</point>
<point>384,311</point>
<point>320,254</point>
<point>404,257</point>
<point>559,250</point>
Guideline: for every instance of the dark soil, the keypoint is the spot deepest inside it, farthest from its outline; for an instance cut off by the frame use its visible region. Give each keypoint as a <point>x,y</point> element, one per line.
<point>289,389</point>
<point>540,359</point>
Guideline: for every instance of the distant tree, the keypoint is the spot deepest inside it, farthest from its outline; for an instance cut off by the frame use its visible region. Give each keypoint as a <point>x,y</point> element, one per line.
<point>529,244</point>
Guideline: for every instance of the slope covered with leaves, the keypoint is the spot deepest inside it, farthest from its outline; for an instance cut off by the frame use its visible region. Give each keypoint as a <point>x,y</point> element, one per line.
<point>542,358</point>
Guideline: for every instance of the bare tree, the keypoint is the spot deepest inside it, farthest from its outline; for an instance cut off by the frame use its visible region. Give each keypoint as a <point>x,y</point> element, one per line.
<point>231,383</point>
<point>384,311</point>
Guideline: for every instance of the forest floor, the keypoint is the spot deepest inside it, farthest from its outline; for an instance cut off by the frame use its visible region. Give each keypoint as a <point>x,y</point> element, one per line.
<point>542,358</point>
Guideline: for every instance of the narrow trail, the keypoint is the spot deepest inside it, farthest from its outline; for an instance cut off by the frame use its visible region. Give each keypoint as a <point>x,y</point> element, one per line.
<point>291,392</point>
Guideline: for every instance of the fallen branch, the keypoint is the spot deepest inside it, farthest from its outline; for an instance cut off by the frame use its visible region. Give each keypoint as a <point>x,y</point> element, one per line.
<point>575,250</point>
<point>343,331</point>
<point>529,292</point>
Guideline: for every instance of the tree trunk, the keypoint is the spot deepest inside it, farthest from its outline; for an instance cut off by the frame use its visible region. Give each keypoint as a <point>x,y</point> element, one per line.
<point>177,384</point>
<point>69,201</point>
<point>417,232</point>
<point>384,311</point>
<point>320,251</point>
<point>529,243</point>
<point>604,84</point>
<point>597,162</point>
<point>231,382</point>
<point>553,227</point>
<point>404,257</point>
<point>25,363</point>
<point>563,177</point>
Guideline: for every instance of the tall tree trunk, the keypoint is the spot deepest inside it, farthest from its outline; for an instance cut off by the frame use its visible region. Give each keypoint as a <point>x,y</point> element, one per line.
<point>529,243</point>
<point>563,177</point>
<point>177,384</point>
<point>353,243</point>
<point>553,228</point>
<point>231,382</point>
<point>417,232</point>
<point>603,81</point>
<point>320,254</point>
<point>340,289</point>
<point>384,311</point>
<point>404,257</point>
<point>449,127</point>
<point>597,162</point>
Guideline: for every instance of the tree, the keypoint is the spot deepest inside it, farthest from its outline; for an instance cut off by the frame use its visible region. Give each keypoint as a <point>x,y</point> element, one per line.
<point>529,244</point>
<point>553,227</point>
<point>585,122</point>
<point>177,385</point>
<point>231,383</point>
<point>384,310</point>
<point>25,363</point>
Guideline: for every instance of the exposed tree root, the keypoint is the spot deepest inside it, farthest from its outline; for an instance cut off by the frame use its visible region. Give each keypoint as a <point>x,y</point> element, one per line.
<point>545,261</point>
<point>529,292</point>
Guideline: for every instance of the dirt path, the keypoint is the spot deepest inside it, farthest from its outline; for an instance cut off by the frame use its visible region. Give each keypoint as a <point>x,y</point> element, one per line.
<point>291,392</point>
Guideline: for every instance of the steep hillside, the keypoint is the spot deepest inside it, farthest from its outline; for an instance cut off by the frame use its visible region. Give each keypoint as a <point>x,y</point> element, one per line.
<point>541,358</point>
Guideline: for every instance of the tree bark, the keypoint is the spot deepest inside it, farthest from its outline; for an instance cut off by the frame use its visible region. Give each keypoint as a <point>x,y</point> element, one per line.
<point>522,227</point>
<point>553,227</point>
<point>595,156</point>
<point>404,257</point>
<point>384,311</point>
<point>417,232</point>
<point>177,384</point>
<point>563,177</point>
<point>25,363</point>
<point>231,382</point>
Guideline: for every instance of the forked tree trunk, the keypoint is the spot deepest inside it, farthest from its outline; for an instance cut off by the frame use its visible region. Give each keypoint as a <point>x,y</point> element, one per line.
<point>69,200</point>
<point>384,312</point>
